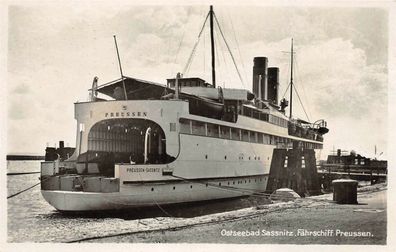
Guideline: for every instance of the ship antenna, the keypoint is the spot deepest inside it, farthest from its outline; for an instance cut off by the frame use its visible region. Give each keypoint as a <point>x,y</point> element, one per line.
<point>119,64</point>
<point>291,80</point>
<point>212,46</point>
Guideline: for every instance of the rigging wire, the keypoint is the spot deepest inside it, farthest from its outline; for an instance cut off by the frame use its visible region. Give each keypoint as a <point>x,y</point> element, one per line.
<point>229,50</point>
<point>181,41</point>
<point>303,88</point>
<point>217,47</point>
<point>296,91</point>
<point>178,48</point>
<point>221,48</point>
<point>286,91</point>
<point>302,105</point>
<point>195,47</point>
<point>204,54</point>
<point>287,78</point>
<point>237,43</point>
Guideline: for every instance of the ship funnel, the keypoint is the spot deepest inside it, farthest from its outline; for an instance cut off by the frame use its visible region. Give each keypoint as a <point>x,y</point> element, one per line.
<point>260,77</point>
<point>273,84</point>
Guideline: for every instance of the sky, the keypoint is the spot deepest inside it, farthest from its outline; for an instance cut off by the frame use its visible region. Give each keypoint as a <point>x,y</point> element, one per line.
<point>55,50</point>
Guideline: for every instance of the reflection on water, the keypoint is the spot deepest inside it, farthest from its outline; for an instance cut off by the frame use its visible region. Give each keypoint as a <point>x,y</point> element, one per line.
<point>31,218</point>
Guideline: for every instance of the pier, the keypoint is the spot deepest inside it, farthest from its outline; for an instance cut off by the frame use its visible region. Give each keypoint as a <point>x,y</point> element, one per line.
<point>331,172</point>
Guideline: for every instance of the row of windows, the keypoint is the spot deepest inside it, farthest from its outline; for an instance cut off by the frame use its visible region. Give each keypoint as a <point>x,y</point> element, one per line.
<point>307,145</point>
<point>219,131</point>
<point>256,114</point>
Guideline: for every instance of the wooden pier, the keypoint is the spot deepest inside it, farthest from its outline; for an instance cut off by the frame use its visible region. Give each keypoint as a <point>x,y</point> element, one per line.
<point>328,173</point>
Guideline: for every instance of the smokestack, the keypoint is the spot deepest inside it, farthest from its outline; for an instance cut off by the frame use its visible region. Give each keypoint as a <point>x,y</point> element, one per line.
<point>273,84</point>
<point>260,69</point>
<point>61,144</point>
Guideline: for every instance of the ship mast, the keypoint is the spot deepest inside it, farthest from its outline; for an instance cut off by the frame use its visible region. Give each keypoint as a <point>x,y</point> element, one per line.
<point>291,80</point>
<point>212,46</point>
<point>119,64</point>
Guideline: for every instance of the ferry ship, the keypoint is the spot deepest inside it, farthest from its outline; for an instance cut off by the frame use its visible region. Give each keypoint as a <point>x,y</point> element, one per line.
<point>150,144</point>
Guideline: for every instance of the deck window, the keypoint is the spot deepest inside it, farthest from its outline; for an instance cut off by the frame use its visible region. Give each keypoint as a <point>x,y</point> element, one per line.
<point>235,134</point>
<point>213,130</point>
<point>245,135</point>
<point>253,137</point>
<point>225,132</point>
<point>264,117</point>
<point>256,114</point>
<point>259,137</point>
<point>185,126</point>
<point>198,128</point>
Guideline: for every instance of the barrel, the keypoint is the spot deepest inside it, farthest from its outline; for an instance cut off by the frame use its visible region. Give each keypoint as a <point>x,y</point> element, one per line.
<point>345,191</point>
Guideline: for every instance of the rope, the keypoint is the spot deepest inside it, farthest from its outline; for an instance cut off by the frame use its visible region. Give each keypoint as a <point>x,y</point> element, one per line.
<point>15,194</point>
<point>163,210</point>
<point>24,190</point>
<point>20,173</point>
<point>229,50</point>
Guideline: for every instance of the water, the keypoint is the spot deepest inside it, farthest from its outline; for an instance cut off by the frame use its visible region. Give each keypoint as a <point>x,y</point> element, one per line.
<point>32,219</point>
<point>14,166</point>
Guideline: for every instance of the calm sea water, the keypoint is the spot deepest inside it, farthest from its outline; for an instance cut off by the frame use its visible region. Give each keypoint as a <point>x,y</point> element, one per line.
<point>32,219</point>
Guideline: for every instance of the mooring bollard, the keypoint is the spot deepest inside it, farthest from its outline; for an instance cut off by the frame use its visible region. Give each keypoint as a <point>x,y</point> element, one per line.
<point>345,191</point>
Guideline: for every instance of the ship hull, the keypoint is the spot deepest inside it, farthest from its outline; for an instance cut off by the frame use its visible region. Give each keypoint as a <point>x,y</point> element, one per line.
<point>153,194</point>
<point>143,153</point>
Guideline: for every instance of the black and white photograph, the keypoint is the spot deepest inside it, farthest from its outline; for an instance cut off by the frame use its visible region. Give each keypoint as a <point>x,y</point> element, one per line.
<point>197,123</point>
